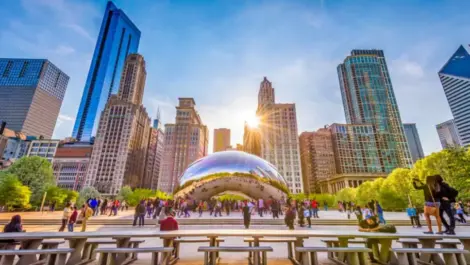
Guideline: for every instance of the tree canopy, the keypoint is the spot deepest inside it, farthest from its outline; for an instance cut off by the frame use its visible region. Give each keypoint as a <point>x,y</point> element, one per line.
<point>13,194</point>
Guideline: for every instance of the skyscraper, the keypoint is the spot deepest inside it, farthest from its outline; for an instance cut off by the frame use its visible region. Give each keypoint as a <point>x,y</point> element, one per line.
<point>317,159</point>
<point>118,38</point>
<point>186,141</point>
<point>252,140</point>
<point>368,98</point>
<point>448,134</point>
<point>279,138</point>
<point>154,155</point>
<point>455,79</point>
<point>414,143</point>
<point>120,147</point>
<point>221,139</point>
<point>31,94</point>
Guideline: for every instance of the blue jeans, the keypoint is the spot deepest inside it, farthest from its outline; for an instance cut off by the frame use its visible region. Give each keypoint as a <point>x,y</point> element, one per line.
<point>381,218</point>
<point>70,227</point>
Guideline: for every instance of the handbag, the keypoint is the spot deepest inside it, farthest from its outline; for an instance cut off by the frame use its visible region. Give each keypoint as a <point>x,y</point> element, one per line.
<point>432,210</point>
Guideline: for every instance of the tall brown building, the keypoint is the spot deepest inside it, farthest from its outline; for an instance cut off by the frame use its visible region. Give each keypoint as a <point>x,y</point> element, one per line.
<point>120,148</point>
<point>317,158</point>
<point>221,139</point>
<point>186,141</point>
<point>252,140</point>
<point>154,155</point>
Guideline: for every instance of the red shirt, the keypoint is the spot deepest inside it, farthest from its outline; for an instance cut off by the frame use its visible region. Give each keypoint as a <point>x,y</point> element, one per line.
<point>168,224</point>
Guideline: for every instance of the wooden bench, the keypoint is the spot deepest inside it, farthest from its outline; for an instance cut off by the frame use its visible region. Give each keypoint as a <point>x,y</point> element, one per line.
<point>355,255</point>
<point>334,243</point>
<point>406,256</point>
<point>89,254</point>
<point>210,253</point>
<point>109,256</point>
<point>290,243</point>
<point>56,256</point>
<point>179,241</point>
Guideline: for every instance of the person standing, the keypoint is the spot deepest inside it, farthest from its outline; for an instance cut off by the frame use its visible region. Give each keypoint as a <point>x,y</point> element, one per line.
<point>149,208</point>
<point>246,216</point>
<point>446,195</point>
<point>260,207</point>
<point>460,213</point>
<point>86,213</point>
<point>72,219</point>
<point>301,208</point>
<point>200,207</point>
<point>431,205</point>
<point>308,215</point>
<point>380,213</point>
<point>275,208</point>
<point>65,217</point>
<point>103,206</point>
<point>413,215</point>
<point>325,206</point>
<point>139,214</point>
<point>290,217</point>
<point>315,209</point>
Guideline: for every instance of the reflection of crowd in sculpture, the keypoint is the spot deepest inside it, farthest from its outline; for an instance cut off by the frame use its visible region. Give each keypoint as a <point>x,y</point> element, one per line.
<point>204,186</point>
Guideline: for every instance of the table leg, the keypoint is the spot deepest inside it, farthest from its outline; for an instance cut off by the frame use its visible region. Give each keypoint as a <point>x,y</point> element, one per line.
<point>76,256</point>
<point>29,244</point>
<point>343,243</point>
<point>122,242</point>
<point>429,243</point>
<point>256,256</point>
<point>299,242</point>
<point>213,243</point>
<point>167,242</point>
<point>384,252</point>
<point>466,246</point>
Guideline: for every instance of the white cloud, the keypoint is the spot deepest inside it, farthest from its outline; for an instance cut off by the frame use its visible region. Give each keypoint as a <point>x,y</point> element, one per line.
<point>80,31</point>
<point>64,50</point>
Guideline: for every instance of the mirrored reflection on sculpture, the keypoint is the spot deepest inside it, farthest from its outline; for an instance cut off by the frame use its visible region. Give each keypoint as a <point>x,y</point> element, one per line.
<point>231,171</point>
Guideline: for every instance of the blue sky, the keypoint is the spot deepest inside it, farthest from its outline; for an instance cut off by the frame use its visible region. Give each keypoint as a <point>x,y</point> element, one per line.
<point>219,51</point>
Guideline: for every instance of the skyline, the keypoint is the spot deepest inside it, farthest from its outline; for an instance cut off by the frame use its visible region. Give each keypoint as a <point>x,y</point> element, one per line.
<point>220,60</point>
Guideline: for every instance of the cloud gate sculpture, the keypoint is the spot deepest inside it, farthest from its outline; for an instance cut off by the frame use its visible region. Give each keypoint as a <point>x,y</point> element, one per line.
<point>231,171</point>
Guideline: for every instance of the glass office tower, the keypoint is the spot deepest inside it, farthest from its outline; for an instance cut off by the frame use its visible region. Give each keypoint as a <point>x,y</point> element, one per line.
<point>118,38</point>
<point>455,79</point>
<point>31,94</point>
<point>368,98</point>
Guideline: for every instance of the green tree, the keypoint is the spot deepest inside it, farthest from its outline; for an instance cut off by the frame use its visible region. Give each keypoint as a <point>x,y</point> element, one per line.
<point>87,193</point>
<point>125,193</point>
<point>140,194</point>
<point>330,199</point>
<point>163,195</point>
<point>72,196</point>
<point>13,194</point>
<point>56,194</point>
<point>36,173</point>
<point>347,194</point>
<point>365,193</point>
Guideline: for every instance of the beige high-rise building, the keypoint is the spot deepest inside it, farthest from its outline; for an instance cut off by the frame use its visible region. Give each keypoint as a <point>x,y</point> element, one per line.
<point>186,140</point>
<point>317,158</point>
<point>120,148</point>
<point>221,139</point>
<point>279,138</point>
<point>154,155</point>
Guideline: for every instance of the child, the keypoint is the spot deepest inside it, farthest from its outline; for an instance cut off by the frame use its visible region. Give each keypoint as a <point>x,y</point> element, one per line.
<point>411,211</point>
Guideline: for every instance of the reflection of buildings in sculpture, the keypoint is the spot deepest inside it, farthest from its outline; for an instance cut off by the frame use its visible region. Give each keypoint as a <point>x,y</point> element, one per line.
<point>252,140</point>
<point>317,158</point>
<point>231,170</point>
<point>279,138</point>
<point>120,146</point>
<point>221,139</point>
<point>185,142</point>
<point>71,163</point>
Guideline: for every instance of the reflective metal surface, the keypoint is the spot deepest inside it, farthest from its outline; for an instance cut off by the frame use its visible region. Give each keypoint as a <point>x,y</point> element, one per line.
<point>231,171</point>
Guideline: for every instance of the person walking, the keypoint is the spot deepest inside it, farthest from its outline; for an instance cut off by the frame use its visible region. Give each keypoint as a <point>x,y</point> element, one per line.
<point>460,213</point>
<point>149,208</point>
<point>104,204</point>
<point>65,217</point>
<point>446,195</point>
<point>246,216</point>
<point>431,205</point>
<point>86,213</point>
<point>72,219</point>
<point>218,209</point>
<point>139,214</point>
<point>275,207</point>
<point>301,210</point>
<point>260,207</point>
<point>124,205</point>
<point>315,209</point>
<point>200,208</point>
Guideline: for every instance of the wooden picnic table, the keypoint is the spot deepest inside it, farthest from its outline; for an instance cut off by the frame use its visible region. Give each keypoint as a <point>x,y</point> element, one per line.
<point>32,240</point>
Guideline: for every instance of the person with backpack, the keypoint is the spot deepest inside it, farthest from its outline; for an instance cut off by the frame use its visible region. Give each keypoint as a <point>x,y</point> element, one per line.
<point>447,196</point>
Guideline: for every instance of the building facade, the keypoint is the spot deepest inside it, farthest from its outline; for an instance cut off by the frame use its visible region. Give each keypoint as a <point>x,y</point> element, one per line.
<point>118,38</point>
<point>70,165</point>
<point>252,140</point>
<point>368,98</point>
<point>186,141</point>
<point>31,94</point>
<point>120,147</point>
<point>154,156</point>
<point>356,156</point>
<point>455,79</point>
<point>317,159</point>
<point>43,148</point>
<point>279,137</point>
<point>448,134</point>
<point>158,156</point>
<point>221,139</point>
<point>414,143</point>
